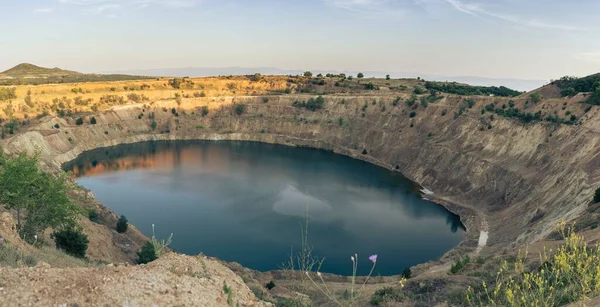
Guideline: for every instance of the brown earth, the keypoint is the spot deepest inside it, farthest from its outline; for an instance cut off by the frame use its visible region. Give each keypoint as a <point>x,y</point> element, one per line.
<point>172,280</point>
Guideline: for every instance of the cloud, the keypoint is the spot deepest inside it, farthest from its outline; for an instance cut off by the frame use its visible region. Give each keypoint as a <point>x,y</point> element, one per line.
<point>372,7</point>
<point>110,7</point>
<point>45,10</point>
<point>478,11</point>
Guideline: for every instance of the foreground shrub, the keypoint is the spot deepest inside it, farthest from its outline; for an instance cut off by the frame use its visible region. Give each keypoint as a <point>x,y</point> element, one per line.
<point>567,275</point>
<point>147,254</point>
<point>122,224</point>
<point>73,242</point>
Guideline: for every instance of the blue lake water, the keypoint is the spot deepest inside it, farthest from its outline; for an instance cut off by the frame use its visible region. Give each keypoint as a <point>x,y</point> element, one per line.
<point>246,202</point>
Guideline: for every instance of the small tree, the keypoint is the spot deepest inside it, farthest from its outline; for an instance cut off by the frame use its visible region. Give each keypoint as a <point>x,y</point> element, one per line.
<point>73,242</point>
<point>387,77</point>
<point>308,74</point>
<point>122,224</point>
<point>535,97</point>
<point>38,196</point>
<point>147,254</point>
<point>360,75</point>
<point>79,121</point>
<point>153,125</point>
<point>93,120</point>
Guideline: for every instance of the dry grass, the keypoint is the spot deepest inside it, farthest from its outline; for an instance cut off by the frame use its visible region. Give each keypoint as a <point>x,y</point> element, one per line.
<point>33,100</point>
<point>11,256</point>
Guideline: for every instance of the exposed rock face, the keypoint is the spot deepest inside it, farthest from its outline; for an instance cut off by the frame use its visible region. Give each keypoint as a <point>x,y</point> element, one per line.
<point>499,178</point>
<point>172,280</point>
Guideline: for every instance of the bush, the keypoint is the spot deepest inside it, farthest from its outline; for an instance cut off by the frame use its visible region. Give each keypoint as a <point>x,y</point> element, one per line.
<point>93,216</point>
<point>419,90</point>
<point>147,254</point>
<point>311,104</point>
<point>239,109</point>
<point>270,285</point>
<point>364,152</point>
<point>568,275</point>
<point>308,74</point>
<point>412,114</point>
<point>122,224</point>
<point>153,125</point>
<point>386,295</point>
<point>73,242</point>
<point>371,87</point>
<point>459,264</point>
<point>407,273</point>
<point>535,97</point>
<point>360,75</point>
<point>93,120</point>
<point>79,121</point>
<point>597,196</point>
<point>204,111</point>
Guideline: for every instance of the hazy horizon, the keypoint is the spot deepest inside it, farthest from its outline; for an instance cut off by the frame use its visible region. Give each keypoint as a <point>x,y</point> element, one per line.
<point>505,39</point>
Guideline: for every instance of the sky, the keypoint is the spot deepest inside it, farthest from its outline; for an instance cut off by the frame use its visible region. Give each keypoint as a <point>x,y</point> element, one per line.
<point>534,39</point>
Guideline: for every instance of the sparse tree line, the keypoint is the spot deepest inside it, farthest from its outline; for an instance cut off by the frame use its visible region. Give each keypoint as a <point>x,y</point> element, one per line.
<point>469,90</point>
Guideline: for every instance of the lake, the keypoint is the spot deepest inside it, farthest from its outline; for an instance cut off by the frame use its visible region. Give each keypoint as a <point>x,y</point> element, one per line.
<point>246,202</point>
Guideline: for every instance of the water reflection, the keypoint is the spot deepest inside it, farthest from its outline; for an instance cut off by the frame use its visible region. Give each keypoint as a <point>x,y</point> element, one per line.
<point>244,202</point>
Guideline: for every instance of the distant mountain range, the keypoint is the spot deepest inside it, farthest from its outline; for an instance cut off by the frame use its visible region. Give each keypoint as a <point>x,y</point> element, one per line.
<point>517,84</point>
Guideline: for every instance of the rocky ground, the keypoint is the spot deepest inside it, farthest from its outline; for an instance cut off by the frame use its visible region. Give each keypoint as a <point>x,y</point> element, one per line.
<point>173,280</point>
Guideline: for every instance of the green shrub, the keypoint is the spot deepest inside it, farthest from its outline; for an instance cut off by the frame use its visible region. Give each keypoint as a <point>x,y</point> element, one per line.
<point>387,295</point>
<point>270,285</point>
<point>535,97</point>
<point>418,90</point>
<point>79,121</point>
<point>93,120</point>
<point>412,114</point>
<point>204,111</point>
<point>122,224</point>
<point>597,196</point>
<point>371,87</point>
<point>364,152</point>
<point>73,242</point>
<point>407,273</point>
<point>154,124</point>
<point>147,254</point>
<point>360,75</point>
<point>93,216</point>
<point>459,264</point>
<point>239,109</point>
<point>311,104</point>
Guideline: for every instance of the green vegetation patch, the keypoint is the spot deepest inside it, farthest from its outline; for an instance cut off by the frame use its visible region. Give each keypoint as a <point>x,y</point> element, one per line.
<point>468,90</point>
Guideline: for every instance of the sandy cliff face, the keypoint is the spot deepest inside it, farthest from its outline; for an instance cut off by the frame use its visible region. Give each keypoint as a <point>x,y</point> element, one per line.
<point>515,180</point>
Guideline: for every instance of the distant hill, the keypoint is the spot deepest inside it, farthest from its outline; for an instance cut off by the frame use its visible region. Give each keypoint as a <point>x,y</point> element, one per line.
<point>26,73</point>
<point>518,84</point>
<point>26,70</point>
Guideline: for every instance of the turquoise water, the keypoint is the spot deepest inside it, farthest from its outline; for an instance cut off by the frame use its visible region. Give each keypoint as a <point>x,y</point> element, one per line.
<point>245,202</point>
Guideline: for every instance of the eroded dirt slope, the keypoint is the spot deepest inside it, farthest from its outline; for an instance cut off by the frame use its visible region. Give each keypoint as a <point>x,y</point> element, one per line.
<point>173,280</point>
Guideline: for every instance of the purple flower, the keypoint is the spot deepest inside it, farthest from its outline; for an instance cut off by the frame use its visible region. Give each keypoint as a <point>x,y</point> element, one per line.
<point>373,258</point>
